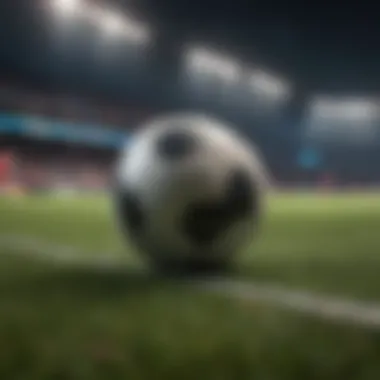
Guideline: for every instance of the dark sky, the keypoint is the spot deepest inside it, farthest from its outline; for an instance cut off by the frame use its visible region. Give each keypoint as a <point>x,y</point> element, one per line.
<point>331,46</point>
<point>326,45</point>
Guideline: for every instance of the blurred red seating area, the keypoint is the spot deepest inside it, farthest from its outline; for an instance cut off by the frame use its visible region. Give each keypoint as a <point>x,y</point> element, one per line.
<point>38,166</point>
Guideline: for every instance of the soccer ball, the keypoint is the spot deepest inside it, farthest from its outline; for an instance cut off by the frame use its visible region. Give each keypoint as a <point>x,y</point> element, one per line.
<point>188,192</point>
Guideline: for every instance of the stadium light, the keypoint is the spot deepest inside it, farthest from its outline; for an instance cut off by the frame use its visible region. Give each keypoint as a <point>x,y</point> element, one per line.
<point>112,24</point>
<point>268,86</point>
<point>343,120</point>
<point>356,109</point>
<point>67,7</point>
<point>207,62</point>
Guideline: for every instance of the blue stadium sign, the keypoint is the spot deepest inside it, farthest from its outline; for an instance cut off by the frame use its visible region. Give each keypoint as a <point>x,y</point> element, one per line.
<point>41,128</point>
<point>309,158</point>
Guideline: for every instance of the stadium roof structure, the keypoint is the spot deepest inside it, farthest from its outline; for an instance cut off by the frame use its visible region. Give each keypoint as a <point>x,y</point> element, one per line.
<point>321,47</point>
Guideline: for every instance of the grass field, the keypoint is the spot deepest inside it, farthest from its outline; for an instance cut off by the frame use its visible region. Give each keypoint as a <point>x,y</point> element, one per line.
<point>73,322</point>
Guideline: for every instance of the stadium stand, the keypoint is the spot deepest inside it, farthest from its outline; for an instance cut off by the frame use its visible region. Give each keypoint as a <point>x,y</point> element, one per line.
<point>15,98</point>
<point>41,125</point>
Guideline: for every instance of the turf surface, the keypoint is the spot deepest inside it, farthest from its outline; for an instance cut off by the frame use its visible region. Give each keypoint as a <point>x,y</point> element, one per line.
<point>77,323</point>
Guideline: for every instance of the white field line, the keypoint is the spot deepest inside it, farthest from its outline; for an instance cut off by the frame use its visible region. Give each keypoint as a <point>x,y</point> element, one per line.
<point>28,246</point>
<point>334,309</point>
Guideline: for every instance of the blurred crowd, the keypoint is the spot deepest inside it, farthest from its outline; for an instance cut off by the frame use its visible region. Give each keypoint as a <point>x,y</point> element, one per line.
<point>39,167</point>
<point>34,165</point>
<point>40,164</point>
<point>15,98</point>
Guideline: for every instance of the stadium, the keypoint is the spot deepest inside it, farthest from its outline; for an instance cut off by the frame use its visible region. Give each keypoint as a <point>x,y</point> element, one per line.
<point>77,78</point>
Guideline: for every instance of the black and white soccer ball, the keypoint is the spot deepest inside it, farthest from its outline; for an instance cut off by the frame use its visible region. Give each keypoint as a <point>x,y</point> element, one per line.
<point>189,192</point>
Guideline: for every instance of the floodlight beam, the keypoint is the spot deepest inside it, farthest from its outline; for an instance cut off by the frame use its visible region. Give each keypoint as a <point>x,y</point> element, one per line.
<point>67,7</point>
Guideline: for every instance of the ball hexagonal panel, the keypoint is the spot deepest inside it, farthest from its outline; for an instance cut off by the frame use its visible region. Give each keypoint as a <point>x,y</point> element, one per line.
<point>204,222</point>
<point>175,145</point>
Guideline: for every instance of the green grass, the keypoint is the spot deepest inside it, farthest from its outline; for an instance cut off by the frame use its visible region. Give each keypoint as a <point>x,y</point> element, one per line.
<point>75,323</point>
<point>325,243</point>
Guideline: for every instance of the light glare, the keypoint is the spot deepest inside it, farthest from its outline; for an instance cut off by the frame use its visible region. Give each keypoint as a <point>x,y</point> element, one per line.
<point>112,24</point>
<point>205,61</point>
<point>67,7</point>
<point>341,109</point>
<point>269,86</point>
<point>109,22</point>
